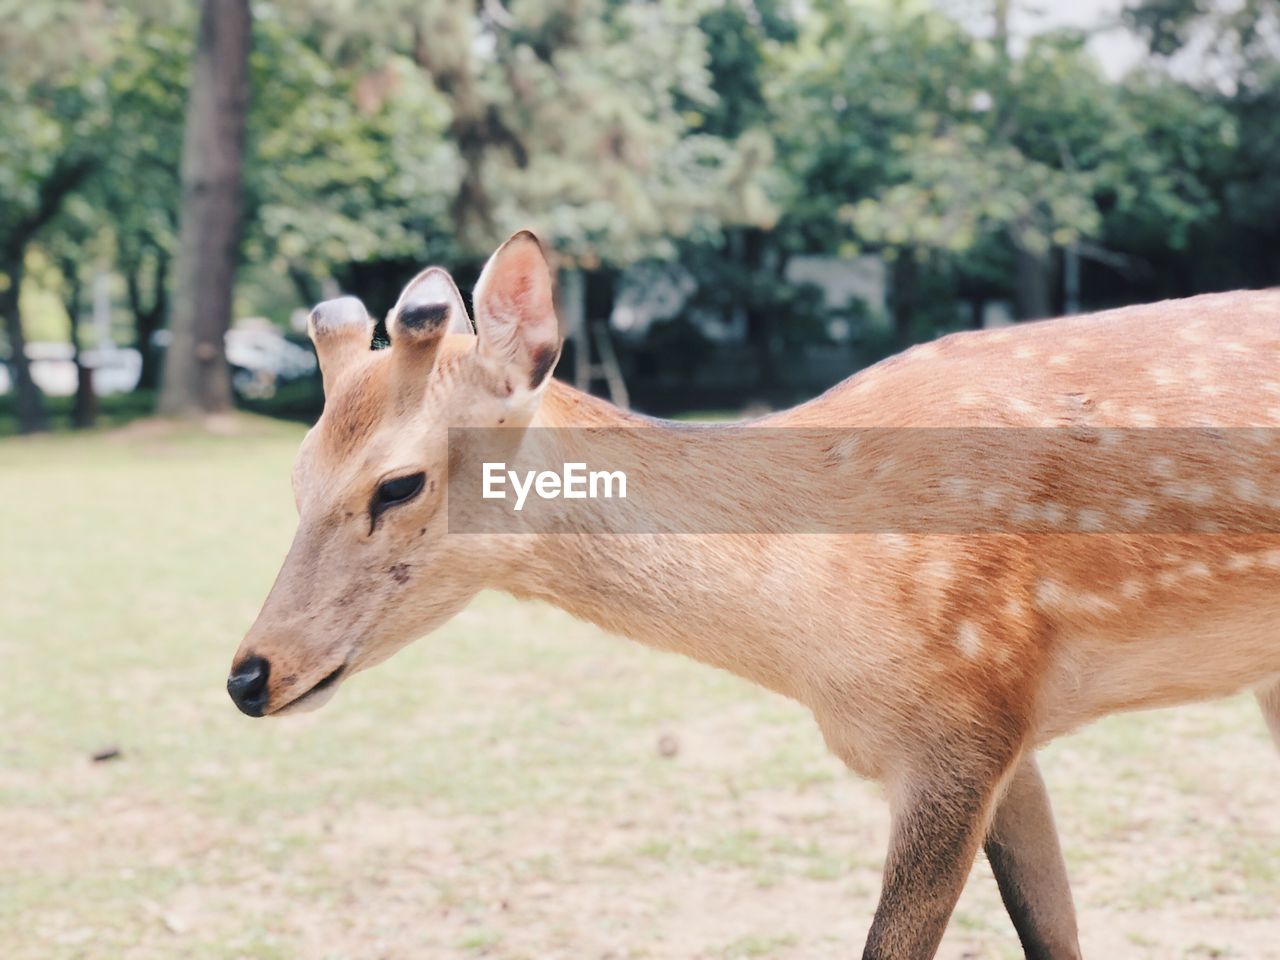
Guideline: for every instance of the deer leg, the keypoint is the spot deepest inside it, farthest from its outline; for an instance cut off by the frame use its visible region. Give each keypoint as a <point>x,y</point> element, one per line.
<point>938,824</point>
<point>1269,700</point>
<point>1022,846</point>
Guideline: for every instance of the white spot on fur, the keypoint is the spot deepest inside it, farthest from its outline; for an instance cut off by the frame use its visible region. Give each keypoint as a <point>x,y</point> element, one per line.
<point>1091,521</point>
<point>1109,437</point>
<point>1141,418</point>
<point>1163,376</point>
<point>969,640</point>
<point>1024,353</point>
<point>926,351</point>
<point>1058,360</point>
<point>1135,510</point>
<point>1196,569</point>
<point>1162,467</point>
<point>937,570</point>
<point>1132,589</point>
<point>1049,594</point>
<point>1197,493</point>
<point>1246,489</point>
<point>1053,514</point>
<point>846,447</point>
<point>1023,513</point>
<point>1240,562</point>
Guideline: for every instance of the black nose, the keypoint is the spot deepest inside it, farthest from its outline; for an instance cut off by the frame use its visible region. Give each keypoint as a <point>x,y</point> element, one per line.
<point>248,685</point>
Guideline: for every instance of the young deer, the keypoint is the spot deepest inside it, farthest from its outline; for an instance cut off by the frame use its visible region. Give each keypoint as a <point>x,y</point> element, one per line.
<point>934,661</point>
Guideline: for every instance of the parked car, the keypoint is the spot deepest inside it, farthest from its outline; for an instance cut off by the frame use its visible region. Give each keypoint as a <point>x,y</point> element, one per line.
<point>53,368</point>
<point>260,357</point>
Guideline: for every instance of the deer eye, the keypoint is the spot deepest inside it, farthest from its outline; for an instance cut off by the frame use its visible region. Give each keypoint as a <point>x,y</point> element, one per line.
<point>395,491</point>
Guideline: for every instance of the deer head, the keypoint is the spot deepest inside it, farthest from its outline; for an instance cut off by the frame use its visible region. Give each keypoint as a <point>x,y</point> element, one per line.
<point>372,567</point>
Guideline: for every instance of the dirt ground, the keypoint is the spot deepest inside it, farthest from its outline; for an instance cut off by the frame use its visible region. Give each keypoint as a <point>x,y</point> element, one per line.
<point>499,789</point>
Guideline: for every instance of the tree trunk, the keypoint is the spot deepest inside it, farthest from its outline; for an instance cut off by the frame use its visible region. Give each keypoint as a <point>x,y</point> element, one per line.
<point>977,311</point>
<point>904,294</point>
<point>750,249</point>
<point>148,319</point>
<point>31,413</point>
<point>1031,290</point>
<point>195,377</point>
<point>85,410</point>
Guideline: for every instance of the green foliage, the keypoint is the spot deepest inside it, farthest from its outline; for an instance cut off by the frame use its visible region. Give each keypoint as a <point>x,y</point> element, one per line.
<point>728,135</point>
<point>53,107</point>
<point>580,116</point>
<point>913,132</point>
<point>347,160</point>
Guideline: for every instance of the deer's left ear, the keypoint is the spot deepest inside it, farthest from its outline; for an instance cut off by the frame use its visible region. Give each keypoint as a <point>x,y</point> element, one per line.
<point>515,316</point>
<point>429,307</point>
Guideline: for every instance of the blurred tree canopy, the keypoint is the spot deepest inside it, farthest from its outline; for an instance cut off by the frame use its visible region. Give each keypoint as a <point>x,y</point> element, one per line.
<point>722,137</point>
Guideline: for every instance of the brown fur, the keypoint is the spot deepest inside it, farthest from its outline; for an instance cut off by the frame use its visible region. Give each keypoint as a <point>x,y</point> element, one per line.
<point>932,662</point>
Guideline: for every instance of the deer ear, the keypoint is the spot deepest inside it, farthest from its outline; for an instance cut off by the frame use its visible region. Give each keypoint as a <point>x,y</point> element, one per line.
<point>342,333</point>
<point>515,315</point>
<point>429,307</point>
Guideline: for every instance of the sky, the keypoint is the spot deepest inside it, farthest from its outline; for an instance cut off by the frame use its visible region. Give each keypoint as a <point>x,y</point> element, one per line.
<point>1116,49</point>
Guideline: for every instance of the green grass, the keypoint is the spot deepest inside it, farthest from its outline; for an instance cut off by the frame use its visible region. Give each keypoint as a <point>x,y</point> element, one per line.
<point>497,790</point>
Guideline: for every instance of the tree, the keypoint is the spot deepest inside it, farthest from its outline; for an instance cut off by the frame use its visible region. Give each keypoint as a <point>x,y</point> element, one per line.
<point>195,378</point>
<point>742,271</point>
<point>972,169</point>
<point>349,173</point>
<point>1214,121</point>
<point>77,236</point>
<point>579,116</point>
<point>51,116</point>
<point>135,188</point>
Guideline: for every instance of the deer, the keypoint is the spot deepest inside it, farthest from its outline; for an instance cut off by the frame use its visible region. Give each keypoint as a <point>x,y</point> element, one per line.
<point>935,662</point>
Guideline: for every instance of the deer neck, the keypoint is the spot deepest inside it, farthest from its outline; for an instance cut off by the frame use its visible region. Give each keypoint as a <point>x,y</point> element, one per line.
<point>717,598</point>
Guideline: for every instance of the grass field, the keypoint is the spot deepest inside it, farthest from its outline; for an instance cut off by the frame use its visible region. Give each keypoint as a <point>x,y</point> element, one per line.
<point>497,790</point>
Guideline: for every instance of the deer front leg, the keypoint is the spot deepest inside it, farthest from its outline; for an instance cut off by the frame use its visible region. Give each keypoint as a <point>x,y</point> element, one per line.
<point>939,820</point>
<point>1022,846</point>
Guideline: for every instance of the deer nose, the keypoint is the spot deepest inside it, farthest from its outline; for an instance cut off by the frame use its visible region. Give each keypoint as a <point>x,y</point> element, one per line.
<point>248,685</point>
